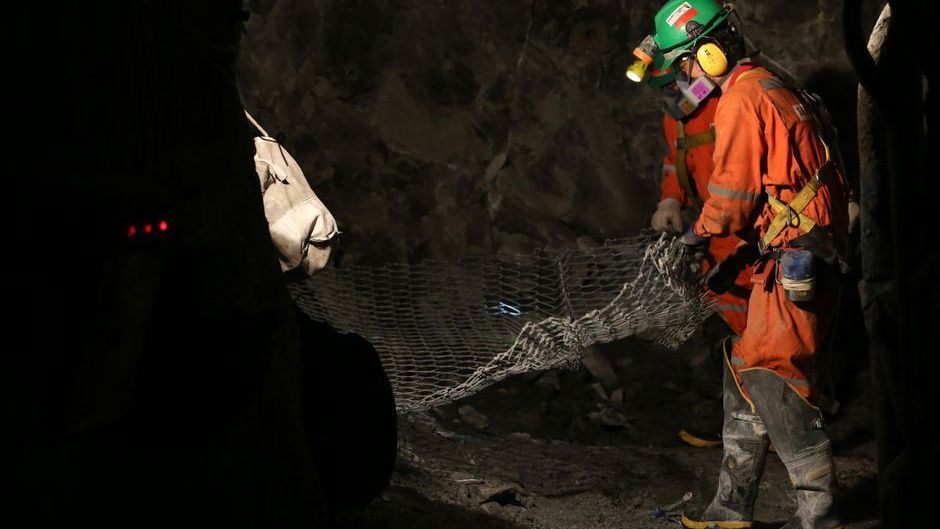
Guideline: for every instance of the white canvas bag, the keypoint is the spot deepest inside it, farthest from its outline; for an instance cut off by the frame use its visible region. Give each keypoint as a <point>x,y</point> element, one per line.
<point>301,226</point>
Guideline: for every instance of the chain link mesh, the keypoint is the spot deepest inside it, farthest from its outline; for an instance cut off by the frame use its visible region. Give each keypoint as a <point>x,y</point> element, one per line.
<point>447,330</point>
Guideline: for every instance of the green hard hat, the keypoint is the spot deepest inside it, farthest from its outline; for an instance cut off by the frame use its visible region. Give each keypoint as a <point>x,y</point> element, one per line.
<point>660,75</point>
<point>673,33</point>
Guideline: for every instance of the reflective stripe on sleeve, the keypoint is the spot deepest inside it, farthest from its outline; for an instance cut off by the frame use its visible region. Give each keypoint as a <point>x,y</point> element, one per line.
<point>733,193</point>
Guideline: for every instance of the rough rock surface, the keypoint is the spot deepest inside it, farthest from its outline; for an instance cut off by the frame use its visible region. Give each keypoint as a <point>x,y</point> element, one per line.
<point>434,128</point>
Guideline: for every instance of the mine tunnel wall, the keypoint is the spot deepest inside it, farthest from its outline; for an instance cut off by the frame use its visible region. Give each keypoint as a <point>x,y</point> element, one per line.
<point>433,129</point>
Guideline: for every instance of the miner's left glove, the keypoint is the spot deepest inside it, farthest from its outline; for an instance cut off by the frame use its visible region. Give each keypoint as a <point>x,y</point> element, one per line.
<point>668,216</point>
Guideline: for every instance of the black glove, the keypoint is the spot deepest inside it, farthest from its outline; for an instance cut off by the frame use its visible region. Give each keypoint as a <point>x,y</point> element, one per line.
<point>695,248</point>
<point>694,243</point>
<point>722,276</point>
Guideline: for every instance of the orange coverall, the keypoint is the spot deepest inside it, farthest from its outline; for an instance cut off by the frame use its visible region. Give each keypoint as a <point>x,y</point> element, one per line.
<point>732,305</point>
<point>767,143</point>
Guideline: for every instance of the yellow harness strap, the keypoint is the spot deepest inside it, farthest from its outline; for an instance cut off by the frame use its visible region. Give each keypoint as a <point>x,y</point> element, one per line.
<point>792,214</point>
<point>683,144</point>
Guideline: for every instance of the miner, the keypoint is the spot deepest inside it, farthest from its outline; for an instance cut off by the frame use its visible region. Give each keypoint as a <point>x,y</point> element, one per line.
<point>775,183</point>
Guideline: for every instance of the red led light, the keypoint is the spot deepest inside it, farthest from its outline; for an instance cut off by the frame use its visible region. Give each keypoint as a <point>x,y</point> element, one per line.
<point>163,226</point>
<point>148,228</point>
<point>131,231</point>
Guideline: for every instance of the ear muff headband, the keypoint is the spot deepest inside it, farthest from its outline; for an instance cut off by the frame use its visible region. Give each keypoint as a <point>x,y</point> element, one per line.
<point>712,59</point>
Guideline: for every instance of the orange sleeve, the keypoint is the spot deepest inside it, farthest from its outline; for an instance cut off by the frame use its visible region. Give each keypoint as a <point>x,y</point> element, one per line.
<point>735,185</point>
<point>670,183</point>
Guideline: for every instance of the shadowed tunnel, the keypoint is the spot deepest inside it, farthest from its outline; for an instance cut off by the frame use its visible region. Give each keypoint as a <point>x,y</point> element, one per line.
<point>161,374</point>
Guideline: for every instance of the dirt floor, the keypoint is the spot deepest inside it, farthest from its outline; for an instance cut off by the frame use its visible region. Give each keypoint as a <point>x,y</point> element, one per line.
<point>594,448</point>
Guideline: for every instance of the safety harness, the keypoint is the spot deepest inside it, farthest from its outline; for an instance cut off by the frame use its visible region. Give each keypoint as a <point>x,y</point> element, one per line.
<point>683,144</point>
<point>791,214</point>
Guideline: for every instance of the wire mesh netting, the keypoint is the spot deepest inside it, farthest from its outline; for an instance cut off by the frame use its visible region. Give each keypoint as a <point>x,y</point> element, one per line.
<point>445,330</point>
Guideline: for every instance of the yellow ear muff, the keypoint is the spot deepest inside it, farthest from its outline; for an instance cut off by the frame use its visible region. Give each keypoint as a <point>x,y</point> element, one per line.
<point>712,59</point>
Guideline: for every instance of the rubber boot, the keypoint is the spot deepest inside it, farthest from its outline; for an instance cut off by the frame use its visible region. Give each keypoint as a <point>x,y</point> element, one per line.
<point>745,451</point>
<point>796,428</point>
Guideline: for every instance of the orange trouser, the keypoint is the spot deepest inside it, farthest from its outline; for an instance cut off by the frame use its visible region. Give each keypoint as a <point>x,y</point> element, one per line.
<point>784,336</point>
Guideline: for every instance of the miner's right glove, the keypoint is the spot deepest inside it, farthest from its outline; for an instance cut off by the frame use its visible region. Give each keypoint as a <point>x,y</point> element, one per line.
<point>695,247</point>
<point>667,216</point>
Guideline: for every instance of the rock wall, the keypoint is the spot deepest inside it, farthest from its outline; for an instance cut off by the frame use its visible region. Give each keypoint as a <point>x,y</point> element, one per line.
<point>433,128</point>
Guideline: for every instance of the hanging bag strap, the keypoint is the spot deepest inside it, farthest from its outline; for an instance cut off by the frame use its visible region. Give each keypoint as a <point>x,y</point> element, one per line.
<point>255,123</point>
